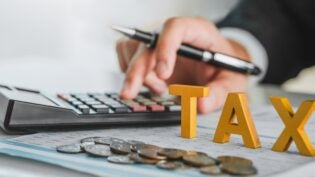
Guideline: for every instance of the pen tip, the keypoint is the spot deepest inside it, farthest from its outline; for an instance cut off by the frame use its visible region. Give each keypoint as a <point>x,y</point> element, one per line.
<point>256,71</point>
<point>124,30</point>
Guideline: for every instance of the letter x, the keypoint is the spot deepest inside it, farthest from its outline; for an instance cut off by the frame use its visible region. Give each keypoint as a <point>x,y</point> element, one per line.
<point>294,125</point>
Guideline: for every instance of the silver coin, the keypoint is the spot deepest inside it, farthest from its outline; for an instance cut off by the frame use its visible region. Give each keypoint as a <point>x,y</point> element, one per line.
<point>169,165</point>
<point>211,170</point>
<point>89,139</point>
<point>82,145</point>
<point>120,147</point>
<point>133,142</point>
<point>104,141</point>
<point>98,150</point>
<point>70,148</point>
<point>120,159</point>
<point>117,140</point>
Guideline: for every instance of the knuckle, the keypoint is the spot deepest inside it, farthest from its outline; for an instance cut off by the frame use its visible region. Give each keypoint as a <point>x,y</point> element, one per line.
<point>201,19</point>
<point>173,21</point>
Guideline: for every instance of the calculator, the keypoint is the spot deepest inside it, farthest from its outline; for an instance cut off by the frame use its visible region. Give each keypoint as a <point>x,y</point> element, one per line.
<point>25,110</point>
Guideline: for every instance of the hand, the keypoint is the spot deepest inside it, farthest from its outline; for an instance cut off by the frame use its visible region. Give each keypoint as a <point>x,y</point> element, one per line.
<point>159,67</point>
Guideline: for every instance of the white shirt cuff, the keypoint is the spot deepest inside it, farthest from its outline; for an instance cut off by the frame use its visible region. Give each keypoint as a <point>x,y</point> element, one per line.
<point>254,48</point>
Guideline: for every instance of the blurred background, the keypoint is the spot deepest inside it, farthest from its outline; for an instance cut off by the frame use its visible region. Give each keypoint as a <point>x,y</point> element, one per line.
<point>67,45</point>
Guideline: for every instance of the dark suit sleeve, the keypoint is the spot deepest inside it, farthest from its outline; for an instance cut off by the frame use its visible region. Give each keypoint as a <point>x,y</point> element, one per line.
<point>280,30</point>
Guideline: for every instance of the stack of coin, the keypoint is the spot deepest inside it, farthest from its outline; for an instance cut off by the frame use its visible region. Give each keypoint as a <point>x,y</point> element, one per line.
<point>121,151</point>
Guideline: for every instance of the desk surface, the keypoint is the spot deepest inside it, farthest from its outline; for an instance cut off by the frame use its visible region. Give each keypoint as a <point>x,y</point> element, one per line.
<point>23,167</point>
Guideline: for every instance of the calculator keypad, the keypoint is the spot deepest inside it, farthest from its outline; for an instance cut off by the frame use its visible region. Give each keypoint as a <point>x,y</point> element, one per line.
<point>97,103</point>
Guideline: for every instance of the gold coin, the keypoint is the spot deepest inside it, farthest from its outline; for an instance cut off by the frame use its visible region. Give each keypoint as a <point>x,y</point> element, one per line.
<point>238,169</point>
<point>172,153</point>
<point>138,159</point>
<point>137,147</point>
<point>199,160</point>
<point>235,159</point>
<point>151,154</point>
<point>194,153</point>
<point>211,170</point>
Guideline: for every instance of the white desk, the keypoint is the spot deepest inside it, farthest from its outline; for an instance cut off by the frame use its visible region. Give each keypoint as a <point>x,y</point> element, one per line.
<point>23,167</point>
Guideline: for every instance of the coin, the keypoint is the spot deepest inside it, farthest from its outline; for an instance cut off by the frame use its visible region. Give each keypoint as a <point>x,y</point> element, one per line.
<point>89,139</point>
<point>120,159</point>
<point>120,147</point>
<point>194,153</point>
<point>172,153</point>
<point>132,142</point>
<point>70,148</point>
<point>138,159</point>
<point>82,145</point>
<point>211,170</point>
<point>238,169</point>
<point>98,150</point>
<point>151,154</point>
<point>199,160</point>
<point>169,165</point>
<point>104,141</point>
<point>235,159</point>
<point>137,147</point>
<point>117,140</point>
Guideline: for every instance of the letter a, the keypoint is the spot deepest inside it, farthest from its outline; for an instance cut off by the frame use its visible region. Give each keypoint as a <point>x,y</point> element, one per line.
<point>236,106</point>
<point>294,125</point>
<point>189,96</point>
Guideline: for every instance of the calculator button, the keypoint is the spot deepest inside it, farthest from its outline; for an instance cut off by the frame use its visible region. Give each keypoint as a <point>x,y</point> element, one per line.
<point>113,95</point>
<point>143,100</point>
<point>149,103</point>
<point>167,103</point>
<point>76,103</point>
<point>84,109</point>
<point>89,99</point>
<point>174,108</point>
<point>156,108</point>
<point>119,108</point>
<point>100,96</point>
<point>92,102</point>
<point>96,94</point>
<point>158,99</point>
<point>132,104</point>
<point>101,108</point>
<point>111,102</point>
<point>127,101</point>
<point>80,95</point>
<point>138,108</point>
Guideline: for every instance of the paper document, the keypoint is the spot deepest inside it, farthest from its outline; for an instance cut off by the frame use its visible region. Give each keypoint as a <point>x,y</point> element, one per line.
<point>41,146</point>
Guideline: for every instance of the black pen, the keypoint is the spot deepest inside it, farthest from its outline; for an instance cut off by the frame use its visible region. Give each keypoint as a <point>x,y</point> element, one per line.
<point>208,57</point>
